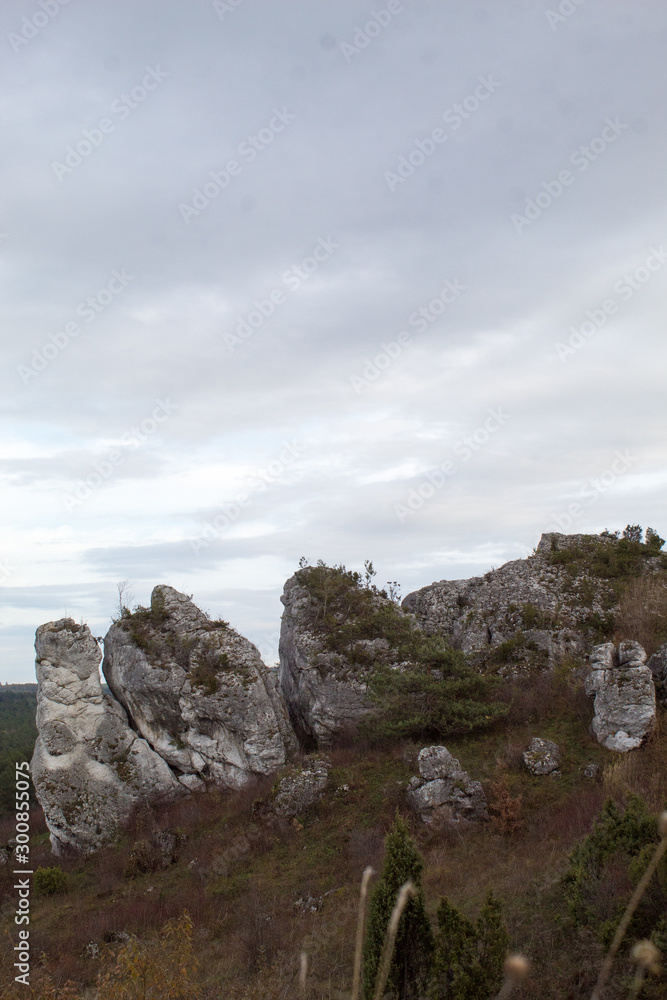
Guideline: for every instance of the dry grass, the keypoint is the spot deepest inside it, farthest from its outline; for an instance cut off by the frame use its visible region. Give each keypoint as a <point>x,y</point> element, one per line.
<point>642,613</point>
<point>248,933</point>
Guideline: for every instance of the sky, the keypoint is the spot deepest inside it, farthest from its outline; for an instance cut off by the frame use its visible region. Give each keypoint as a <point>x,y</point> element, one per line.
<point>337,280</point>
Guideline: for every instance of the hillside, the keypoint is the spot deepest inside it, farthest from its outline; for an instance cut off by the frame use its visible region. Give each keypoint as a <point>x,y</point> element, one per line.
<point>263,882</point>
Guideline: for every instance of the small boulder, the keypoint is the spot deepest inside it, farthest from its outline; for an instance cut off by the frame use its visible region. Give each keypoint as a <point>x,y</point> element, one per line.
<point>301,789</point>
<point>624,691</point>
<point>542,756</point>
<point>443,791</point>
<point>592,771</point>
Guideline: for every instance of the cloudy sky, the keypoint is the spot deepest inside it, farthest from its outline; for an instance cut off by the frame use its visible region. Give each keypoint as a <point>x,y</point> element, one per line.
<point>328,279</point>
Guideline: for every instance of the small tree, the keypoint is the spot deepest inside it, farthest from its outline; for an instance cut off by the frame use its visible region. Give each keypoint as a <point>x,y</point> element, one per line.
<point>437,694</point>
<point>468,962</point>
<point>414,941</point>
<point>493,942</point>
<point>633,533</point>
<point>653,539</point>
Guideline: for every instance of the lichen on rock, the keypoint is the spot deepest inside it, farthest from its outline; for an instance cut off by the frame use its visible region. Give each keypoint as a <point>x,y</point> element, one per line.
<point>624,692</point>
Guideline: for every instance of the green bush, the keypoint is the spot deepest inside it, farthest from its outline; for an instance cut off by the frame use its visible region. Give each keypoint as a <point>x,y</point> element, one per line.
<point>439,695</point>
<point>435,692</point>
<point>49,881</point>
<point>610,558</point>
<point>411,959</point>
<point>468,959</point>
<point>628,838</point>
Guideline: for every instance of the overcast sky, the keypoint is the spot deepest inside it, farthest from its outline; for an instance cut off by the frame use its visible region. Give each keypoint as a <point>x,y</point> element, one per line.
<point>331,279</point>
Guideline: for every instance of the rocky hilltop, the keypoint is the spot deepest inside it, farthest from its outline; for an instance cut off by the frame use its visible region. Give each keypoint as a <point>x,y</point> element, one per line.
<point>191,703</point>
<point>534,612</point>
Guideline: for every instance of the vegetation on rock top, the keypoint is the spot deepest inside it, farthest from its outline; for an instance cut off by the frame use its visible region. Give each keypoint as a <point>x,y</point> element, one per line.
<point>421,687</point>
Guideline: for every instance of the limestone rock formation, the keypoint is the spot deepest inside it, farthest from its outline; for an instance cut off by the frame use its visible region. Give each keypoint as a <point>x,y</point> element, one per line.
<point>527,612</point>
<point>542,756</point>
<point>443,791</point>
<point>624,694</point>
<point>197,691</point>
<point>325,691</point>
<point>298,791</point>
<point>89,767</point>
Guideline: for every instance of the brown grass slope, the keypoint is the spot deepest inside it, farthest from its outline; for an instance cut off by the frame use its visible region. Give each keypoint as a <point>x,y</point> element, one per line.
<point>259,891</point>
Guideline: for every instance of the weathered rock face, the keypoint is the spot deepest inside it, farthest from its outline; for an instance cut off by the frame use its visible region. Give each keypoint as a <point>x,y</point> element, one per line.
<point>89,767</point>
<point>542,756</point>
<point>325,692</point>
<point>529,611</point>
<point>624,695</point>
<point>444,792</point>
<point>197,691</point>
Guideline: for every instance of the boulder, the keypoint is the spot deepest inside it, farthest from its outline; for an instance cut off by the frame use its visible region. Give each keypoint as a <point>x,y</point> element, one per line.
<point>624,692</point>
<point>443,792</point>
<point>89,768</point>
<point>197,691</point>
<point>542,756</point>
<point>298,791</point>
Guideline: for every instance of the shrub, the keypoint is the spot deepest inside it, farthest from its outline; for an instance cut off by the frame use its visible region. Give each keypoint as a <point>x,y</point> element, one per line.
<point>653,540</point>
<point>433,693</point>
<point>49,881</point>
<point>438,697</point>
<point>204,673</point>
<point>610,558</point>
<point>468,959</point>
<point>161,970</point>
<point>619,839</point>
<point>505,808</point>
<point>414,941</point>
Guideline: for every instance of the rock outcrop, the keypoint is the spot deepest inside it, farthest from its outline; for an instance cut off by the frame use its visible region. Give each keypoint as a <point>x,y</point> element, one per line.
<point>528,612</point>
<point>197,691</point>
<point>324,691</point>
<point>298,791</point>
<point>624,694</point>
<point>89,768</point>
<point>443,792</point>
<point>542,756</point>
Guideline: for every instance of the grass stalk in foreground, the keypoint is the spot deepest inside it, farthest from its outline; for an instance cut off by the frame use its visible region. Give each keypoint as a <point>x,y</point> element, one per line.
<point>356,975</point>
<point>405,892</point>
<point>516,968</point>
<point>646,956</point>
<point>631,907</point>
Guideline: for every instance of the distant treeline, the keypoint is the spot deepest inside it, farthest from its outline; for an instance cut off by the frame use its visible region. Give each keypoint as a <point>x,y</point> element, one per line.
<point>18,732</point>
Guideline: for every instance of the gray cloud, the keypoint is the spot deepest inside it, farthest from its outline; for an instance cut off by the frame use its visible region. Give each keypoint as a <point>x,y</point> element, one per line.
<point>221,78</point>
